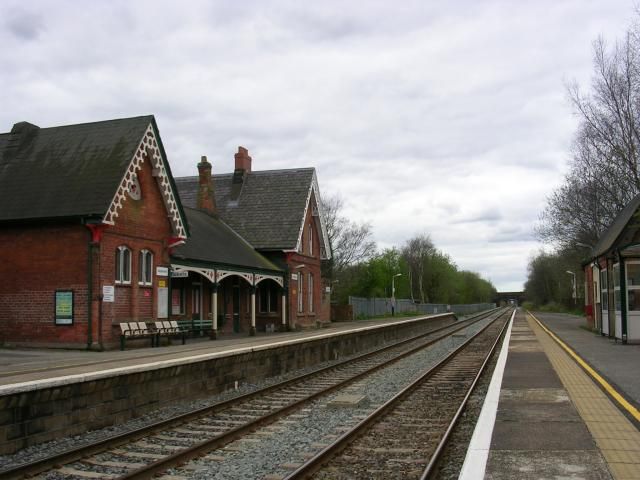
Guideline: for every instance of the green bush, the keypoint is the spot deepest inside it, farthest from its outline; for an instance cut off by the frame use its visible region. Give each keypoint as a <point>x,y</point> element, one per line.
<point>528,306</point>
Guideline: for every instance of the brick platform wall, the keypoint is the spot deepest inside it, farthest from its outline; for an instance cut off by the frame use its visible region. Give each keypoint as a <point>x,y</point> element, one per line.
<point>32,417</point>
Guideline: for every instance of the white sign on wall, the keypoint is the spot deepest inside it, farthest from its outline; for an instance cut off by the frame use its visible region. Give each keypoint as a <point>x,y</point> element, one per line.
<point>108,293</point>
<point>162,271</point>
<point>163,302</point>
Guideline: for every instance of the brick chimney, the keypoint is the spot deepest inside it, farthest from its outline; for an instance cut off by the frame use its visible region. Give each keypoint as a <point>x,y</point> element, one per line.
<point>206,197</point>
<point>243,167</point>
<point>243,160</point>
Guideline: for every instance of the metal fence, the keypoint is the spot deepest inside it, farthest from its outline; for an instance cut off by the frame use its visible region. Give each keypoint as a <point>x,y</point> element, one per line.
<point>376,307</point>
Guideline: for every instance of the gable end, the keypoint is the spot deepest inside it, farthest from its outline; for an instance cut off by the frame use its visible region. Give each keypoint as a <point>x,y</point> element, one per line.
<point>149,147</point>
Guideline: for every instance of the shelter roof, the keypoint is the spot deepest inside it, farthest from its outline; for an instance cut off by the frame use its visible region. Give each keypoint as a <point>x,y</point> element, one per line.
<point>270,210</point>
<point>611,235</point>
<point>212,241</point>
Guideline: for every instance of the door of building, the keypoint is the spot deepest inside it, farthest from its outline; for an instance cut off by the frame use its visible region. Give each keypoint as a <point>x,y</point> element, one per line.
<point>236,308</point>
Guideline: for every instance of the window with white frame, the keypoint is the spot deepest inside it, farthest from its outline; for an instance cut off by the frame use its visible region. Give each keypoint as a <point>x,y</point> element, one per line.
<point>616,287</point>
<point>310,292</point>
<point>300,295</point>
<point>145,267</point>
<point>123,265</point>
<point>177,300</point>
<point>632,268</point>
<point>604,294</point>
<point>267,297</point>
<point>310,239</point>
<point>195,298</point>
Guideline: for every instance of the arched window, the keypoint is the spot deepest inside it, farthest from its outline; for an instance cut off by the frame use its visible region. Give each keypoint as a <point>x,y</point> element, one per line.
<point>123,265</point>
<point>145,267</point>
<point>310,239</point>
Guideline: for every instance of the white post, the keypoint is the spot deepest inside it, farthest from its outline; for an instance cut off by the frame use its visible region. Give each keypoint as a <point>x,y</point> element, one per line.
<point>253,312</point>
<point>284,310</point>
<point>214,311</point>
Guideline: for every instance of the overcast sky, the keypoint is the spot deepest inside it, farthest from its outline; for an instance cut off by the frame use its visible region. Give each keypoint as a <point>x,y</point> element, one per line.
<point>446,118</point>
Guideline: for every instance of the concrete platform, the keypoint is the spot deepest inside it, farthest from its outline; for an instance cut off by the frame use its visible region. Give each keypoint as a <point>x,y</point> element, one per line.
<point>47,394</point>
<point>20,365</point>
<point>549,419</point>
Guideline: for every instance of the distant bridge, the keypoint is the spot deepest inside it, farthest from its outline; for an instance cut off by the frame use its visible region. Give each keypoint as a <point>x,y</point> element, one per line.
<point>509,297</point>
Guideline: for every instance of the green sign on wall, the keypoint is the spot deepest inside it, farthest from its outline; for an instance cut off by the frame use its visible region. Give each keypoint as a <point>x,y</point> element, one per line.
<point>64,307</point>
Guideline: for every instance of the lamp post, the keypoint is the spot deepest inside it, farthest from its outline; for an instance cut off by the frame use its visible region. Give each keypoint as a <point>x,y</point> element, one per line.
<point>393,293</point>
<point>573,288</point>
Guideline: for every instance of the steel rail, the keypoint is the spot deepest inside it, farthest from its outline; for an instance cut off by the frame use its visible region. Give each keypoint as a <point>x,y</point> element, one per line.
<point>435,458</point>
<point>315,463</point>
<point>40,465</point>
<point>183,456</point>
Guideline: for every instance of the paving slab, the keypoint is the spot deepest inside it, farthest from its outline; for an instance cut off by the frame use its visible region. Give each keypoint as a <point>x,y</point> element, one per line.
<point>529,370</point>
<point>517,465</point>
<point>617,362</point>
<point>538,432</point>
<point>617,438</point>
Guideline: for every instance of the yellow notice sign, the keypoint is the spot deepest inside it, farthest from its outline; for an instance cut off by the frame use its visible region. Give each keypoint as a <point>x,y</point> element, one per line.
<point>162,283</point>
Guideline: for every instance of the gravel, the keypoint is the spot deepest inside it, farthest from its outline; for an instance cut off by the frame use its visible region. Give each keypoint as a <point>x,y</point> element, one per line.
<point>262,453</point>
<point>305,432</point>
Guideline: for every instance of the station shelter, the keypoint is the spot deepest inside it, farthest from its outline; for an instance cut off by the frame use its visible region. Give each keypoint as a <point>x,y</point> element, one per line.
<point>279,213</point>
<point>93,233</point>
<point>612,278</point>
<point>222,289</point>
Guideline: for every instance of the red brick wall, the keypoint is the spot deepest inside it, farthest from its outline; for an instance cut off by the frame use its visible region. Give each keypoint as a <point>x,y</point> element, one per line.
<point>141,224</point>
<point>35,261</point>
<point>589,307</point>
<point>311,262</point>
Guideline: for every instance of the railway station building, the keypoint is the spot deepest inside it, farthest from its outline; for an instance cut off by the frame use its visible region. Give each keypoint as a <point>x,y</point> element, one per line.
<point>93,232</point>
<point>613,278</point>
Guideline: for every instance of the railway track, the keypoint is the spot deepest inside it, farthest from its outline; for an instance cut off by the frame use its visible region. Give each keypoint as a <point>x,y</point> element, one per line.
<point>156,448</point>
<point>404,437</point>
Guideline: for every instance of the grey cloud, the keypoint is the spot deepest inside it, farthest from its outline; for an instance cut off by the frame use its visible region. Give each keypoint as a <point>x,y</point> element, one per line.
<point>24,25</point>
<point>486,216</point>
<point>508,235</point>
<point>421,114</point>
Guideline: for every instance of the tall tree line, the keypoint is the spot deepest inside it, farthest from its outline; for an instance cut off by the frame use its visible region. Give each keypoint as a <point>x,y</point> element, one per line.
<point>427,275</point>
<point>604,173</point>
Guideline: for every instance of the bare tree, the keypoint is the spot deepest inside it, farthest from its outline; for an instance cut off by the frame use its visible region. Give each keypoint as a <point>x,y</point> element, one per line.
<point>604,172</point>
<point>416,252</point>
<point>350,241</point>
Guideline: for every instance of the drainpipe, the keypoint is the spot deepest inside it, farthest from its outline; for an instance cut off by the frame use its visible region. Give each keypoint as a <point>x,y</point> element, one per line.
<point>95,230</point>
<point>287,280</point>
<point>90,291</point>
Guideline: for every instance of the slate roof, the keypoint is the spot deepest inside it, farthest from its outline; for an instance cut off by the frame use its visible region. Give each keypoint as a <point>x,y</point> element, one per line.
<point>269,211</point>
<point>213,241</point>
<point>611,234</point>
<point>66,171</point>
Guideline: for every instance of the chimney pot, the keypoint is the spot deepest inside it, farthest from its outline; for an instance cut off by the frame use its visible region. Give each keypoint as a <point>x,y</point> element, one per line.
<point>243,160</point>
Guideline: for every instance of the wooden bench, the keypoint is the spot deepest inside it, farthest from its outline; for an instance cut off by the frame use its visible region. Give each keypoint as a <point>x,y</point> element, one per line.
<point>135,330</point>
<point>169,329</point>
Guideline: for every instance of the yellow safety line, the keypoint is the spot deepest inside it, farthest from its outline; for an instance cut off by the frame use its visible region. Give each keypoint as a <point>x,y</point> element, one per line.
<point>609,389</point>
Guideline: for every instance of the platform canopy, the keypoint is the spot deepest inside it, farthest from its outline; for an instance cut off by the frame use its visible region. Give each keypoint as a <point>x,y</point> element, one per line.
<point>215,251</point>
